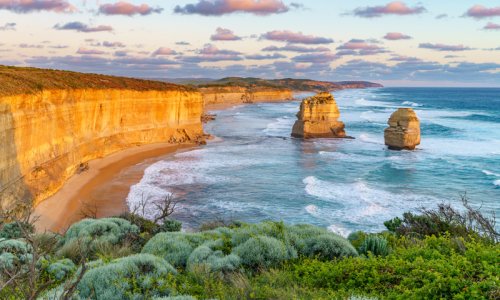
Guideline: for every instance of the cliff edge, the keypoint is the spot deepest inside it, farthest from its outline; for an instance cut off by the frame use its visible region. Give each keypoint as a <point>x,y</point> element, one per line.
<point>53,122</point>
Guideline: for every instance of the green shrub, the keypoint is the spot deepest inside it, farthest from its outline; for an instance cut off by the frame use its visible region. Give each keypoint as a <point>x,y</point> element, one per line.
<point>263,251</point>
<point>175,248</point>
<point>374,244</point>
<point>13,253</point>
<point>357,238</point>
<point>170,225</point>
<point>140,276</point>
<point>144,225</point>
<point>426,269</point>
<point>328,246</point>
<point>15,230</point>
<point>212,261</point>
<point>61,269</point>
<point>86,236</point>
<point>176,298</point>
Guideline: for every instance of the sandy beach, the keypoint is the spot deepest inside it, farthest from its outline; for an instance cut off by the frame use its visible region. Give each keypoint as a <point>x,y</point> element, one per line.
<point>102,189</point>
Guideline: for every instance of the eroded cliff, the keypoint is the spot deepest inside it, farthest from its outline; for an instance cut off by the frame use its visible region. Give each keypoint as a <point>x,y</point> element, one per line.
<point>319,118</point>
<point>403,131</point>
<point>236,94</point>
<point>47,135</point>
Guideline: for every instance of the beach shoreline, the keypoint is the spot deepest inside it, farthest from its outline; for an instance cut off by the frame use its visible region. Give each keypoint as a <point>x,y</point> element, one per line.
<point>96,191</point>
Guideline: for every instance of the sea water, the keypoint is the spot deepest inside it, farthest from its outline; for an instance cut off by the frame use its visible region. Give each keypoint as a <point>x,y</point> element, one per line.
<point>253,170</point>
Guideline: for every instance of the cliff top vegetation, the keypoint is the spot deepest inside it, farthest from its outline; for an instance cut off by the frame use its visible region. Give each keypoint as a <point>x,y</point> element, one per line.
<point>21,80</point>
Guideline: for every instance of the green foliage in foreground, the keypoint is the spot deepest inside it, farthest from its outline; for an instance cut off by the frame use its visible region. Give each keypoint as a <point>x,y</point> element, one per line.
<point>270,260</point>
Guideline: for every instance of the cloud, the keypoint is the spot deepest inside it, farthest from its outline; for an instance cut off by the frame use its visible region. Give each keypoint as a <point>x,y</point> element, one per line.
<point>26,46</point>
<point>59,46</point>
<point>27,6</point>
<point>443,47</point>
<point>128,9</point>
<point>222,34</point>
<point>359,47</point>
<point>294,37</point>
<point>491,26</point>
<point>265,57</point>
<point>183,43</point>
<point>120,53</point>
<point>222,7</point>
<point>441,16</point>
<point>78,26</point>
<point>295,48</point>
<point>480,12</point>
<point>164,51</point>
<point>108,44</point>
<point>395,36</point>
<point>392,8</point>
<point>86,51</point>
<point>400,58</point>
<point>210,53</point>
<point>317,58</point>
<point>8,26</point>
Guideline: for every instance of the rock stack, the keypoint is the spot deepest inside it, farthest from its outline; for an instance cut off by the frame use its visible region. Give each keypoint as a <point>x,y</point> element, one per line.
<point>403,131</point>
<point>318,118</point>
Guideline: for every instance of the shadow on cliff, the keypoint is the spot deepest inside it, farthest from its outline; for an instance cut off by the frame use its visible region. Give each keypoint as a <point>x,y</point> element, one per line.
<point>15,196</point>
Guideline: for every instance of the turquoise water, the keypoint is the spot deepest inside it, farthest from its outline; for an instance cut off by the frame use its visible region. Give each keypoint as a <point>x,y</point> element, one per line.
<point>254,171</point>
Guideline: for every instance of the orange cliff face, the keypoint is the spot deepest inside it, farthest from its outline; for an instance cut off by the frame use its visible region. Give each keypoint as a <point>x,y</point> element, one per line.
<point>235,95</point>
<point>46,136</point>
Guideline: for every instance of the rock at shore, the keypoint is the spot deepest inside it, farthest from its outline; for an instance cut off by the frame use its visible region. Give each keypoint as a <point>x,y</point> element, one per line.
<point>318,118</point>
<point>403,131</point>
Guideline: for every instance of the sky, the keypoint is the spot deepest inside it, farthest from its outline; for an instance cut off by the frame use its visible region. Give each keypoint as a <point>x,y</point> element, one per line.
<point>396,43</point>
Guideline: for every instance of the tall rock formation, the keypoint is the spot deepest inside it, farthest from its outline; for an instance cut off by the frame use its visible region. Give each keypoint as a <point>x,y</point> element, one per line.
<point>403,131</point>
<point>48,136</point>
<point>318,118</point>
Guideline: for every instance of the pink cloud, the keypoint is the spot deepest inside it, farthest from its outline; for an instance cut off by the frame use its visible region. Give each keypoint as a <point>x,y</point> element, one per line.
<point>86,51</point>
<point>27,6</point>
<point>79,26</point>
<point>294,37</point>
<point>164,51</point>
<point>394,36</point>
<point>392,8</point>
<point>223,34</point>
<point>443,47</point>
<point>128,9</point>
<point>222,7</point>
<point>479,12</point>
<point>492,26</point>
<point>359,47</point>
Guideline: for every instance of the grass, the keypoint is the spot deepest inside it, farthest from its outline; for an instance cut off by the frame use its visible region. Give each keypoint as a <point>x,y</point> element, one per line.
<point>20,80</point>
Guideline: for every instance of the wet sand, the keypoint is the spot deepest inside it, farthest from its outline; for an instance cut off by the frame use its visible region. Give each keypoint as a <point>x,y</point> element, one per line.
<point>101,191</point>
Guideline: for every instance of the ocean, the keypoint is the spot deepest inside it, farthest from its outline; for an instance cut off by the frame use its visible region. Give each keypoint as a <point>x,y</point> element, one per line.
<point>254,171</point>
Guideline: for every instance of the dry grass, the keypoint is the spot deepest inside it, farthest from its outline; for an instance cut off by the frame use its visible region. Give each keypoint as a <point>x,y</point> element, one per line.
<point>17,80</point>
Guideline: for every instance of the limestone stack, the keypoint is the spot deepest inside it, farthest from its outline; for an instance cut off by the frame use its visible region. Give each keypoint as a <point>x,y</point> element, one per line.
<point>403,131</point>
<point>318,118</point>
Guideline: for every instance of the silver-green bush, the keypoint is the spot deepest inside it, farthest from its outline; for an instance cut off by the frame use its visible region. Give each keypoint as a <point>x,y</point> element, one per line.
<point>174,247</point>
<point>328,246</point>
<point>263,251</point>
<point>374,244</point>
<point>212,261</point>
<point>13,253</point>
<point>134,277</point>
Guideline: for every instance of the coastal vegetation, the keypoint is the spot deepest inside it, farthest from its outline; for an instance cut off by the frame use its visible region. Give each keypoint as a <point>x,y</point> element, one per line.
<point>442,253</point>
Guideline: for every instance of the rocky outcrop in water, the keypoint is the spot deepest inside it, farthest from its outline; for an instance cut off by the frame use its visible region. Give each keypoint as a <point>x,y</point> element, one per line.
<point>318,118</point>
<point>403,131</point>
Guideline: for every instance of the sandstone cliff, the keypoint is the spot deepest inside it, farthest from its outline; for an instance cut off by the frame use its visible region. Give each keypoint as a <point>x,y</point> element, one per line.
<point>238,94</point>
<point>403,131</point>
<point>318,118</point>
<point>47,135</point>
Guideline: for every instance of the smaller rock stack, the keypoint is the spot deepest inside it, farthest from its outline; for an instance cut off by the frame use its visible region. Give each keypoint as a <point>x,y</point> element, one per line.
<point>318,118</point>
<point>403,131</point>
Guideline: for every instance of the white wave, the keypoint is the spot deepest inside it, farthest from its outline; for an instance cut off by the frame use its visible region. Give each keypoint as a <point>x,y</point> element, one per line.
<point>413,104</point>
<point>489,173</point>
<point>360,203</point>
<point>365,137</point>
<point>335,228</point>
<point>368,103</point>
<point>281,126</point>
<point>312,209</point>
<point>496,182</point>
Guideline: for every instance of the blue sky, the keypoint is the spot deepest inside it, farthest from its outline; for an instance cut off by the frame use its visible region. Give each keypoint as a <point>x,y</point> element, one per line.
<point>398,43</point>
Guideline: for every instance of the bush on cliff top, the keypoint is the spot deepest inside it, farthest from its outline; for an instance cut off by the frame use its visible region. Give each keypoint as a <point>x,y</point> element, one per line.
<point>140,276</point>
